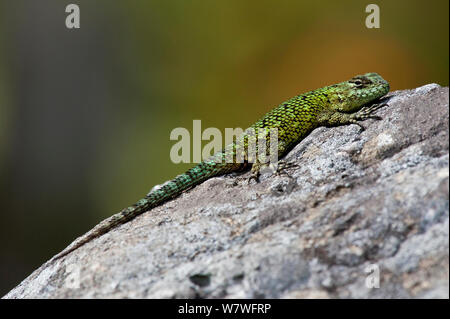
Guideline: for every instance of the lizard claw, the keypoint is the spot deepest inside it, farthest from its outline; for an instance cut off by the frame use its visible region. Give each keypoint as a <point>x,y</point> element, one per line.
<point>255,177</point>
<point>355,121</point>
<point>283,166</point>
<point>366,113</point>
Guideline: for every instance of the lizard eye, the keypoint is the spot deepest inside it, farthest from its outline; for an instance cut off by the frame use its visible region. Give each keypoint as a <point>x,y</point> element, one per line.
<point>358,82</point>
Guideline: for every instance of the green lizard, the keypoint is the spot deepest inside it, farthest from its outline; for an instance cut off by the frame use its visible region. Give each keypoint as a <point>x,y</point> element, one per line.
<point>339,104</point>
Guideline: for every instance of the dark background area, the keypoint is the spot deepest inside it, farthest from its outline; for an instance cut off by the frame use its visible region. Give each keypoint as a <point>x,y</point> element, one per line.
<point>85,114</point>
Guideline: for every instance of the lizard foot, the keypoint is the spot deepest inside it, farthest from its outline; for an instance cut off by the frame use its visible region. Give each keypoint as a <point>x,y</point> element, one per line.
<point>282,167</point>
<point>366,113</point>
<point>255,173</point>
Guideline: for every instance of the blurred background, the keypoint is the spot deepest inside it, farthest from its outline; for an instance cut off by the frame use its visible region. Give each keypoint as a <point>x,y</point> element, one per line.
<point>85,114</point>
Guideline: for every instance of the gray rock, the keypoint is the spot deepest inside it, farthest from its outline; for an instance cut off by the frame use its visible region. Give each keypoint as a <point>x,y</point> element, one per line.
<point>359,204</point>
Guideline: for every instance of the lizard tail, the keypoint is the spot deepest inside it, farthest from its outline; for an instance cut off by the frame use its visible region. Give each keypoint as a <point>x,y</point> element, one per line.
<point>156,197</point>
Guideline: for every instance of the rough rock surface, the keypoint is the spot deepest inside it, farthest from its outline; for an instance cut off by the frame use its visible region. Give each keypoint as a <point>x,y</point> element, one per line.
<point>359,204</point>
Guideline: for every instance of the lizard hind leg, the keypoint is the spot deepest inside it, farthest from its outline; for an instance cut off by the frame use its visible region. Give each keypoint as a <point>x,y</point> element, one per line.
<point>278,168</point>
<point>282,166</point>
<point>255,173</point>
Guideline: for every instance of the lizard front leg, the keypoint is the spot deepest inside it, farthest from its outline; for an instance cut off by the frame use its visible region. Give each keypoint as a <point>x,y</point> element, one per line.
<point>340,118</point>
<point>276,166</point>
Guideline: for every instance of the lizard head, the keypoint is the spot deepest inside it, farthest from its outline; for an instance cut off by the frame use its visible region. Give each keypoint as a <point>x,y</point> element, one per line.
<point>351,95</point>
